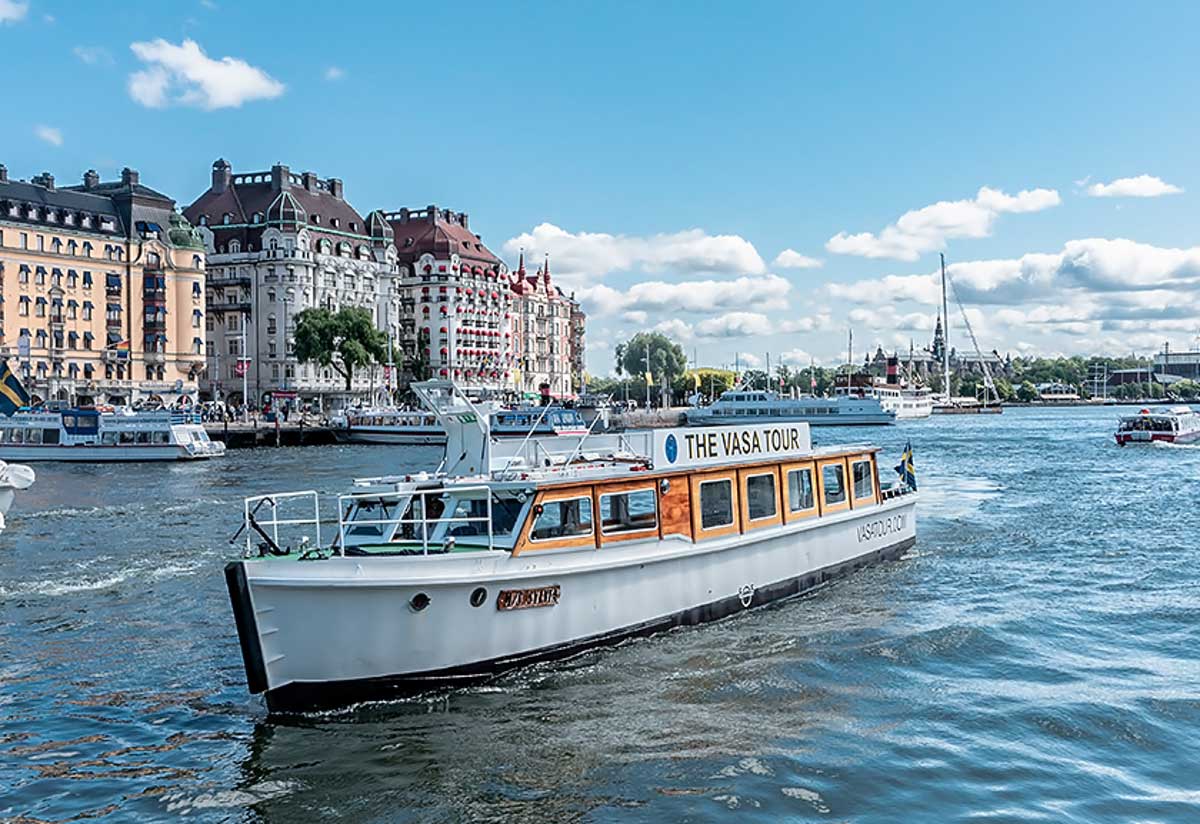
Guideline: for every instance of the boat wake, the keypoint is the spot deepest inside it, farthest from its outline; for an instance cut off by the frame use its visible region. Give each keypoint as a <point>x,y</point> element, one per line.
<point>1165,445</point>
<point>102,580</point>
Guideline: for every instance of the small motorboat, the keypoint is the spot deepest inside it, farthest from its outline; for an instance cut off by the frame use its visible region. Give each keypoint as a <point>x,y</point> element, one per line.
<point>12,478</point>
<point>1176,424</point>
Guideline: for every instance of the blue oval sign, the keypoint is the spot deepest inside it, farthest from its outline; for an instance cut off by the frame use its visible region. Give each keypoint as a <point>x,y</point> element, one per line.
<point>672,448</point>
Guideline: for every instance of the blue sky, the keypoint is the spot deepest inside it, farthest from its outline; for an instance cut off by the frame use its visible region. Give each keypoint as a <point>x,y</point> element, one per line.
<point>665,154</point>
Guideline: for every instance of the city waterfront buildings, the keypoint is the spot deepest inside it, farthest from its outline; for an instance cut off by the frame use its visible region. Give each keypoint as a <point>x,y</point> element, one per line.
<point>280,243</point>
<point>548,334</point>
<point>102,290</point>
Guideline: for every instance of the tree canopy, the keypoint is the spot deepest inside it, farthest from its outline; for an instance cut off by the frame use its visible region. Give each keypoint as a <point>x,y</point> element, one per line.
<point>667,358</point>
<point>345,340</point>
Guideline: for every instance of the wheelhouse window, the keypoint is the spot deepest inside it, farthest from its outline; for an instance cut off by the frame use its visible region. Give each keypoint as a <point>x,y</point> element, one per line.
<point>716,503</point>
<point>800,490</point>
<point>760,496</point>
<point>632,511</point>
<point>833,482</point>
<point>863,479</point>
<point>568,518</point>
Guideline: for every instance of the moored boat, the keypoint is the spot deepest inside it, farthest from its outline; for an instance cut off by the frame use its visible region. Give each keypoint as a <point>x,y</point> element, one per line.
<point>520,551</point>
<point>89,435</point>
<point>417,428</point>
<point>1176,424</point>
<point>742,406</point>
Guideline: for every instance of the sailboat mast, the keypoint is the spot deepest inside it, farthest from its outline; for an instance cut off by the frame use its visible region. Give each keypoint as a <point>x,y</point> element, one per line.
<point>945,335</point>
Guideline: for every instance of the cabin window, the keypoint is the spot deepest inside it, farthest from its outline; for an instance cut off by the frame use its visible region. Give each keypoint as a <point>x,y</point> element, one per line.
<point>33,436</point>
<point>161,437</point>
<point>760,496</point>
<point>505,511</point>
<point>716,504</point>
<point>563,519</point>
<point>126,438</point>
<point>16,436</point>
<point>628,511</point>
<point>833,481</point>
<point>50,436</point>
<point>800,490</point>
<point>863,480</point>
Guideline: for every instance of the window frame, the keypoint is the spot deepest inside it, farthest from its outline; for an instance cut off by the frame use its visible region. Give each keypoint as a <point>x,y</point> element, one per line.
<point>698,481</point>
<point>744,478</point>
<point>808,512</point>
<point>870,497</point>
<point>607,537</point>
<point>839,506</point>
<point>528,542</point>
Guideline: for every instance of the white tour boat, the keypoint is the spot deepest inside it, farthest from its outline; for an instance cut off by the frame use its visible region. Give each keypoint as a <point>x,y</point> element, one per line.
<point>521,551</point>
<point>396,426</point>
<point>388,426</point>
<point>906,402</point>
<point>93,436</point>
<point>13,478</point>
<point>1177,424</point>
<point>741,406</point>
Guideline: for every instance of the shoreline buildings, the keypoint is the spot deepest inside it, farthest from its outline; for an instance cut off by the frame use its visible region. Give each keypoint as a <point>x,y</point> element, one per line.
<point>280,243</point>
<point>102,290</point>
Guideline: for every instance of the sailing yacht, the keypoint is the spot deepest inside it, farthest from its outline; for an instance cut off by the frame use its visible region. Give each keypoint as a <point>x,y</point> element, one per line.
<point>945,403</point>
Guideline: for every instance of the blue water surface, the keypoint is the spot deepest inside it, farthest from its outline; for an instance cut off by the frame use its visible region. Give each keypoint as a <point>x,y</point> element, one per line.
<point>1035,657</point>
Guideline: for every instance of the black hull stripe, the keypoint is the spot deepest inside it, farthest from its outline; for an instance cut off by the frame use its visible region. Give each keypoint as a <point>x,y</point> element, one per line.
<point>247,626</point>
<point>307,696</point>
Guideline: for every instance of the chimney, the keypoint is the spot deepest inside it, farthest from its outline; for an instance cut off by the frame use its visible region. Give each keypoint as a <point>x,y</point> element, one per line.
<point>335,187</point>
<point>45,180</point>
<point>433,212</point>
<point>893,370</point>
<point>222,175</point>
<point>90,179</point>
<point>3,173</point>
<point>280,178</point>
<point>310,181</point>
<point>129,177</point>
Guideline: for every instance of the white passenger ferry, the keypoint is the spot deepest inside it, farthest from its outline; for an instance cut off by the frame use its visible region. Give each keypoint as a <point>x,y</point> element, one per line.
<point>742,406</point>
<point>907,402</point>
<point>13,478</point>
<point>414,428</point>
<point>521,551</point>
<point>91,435</point>
<point>388,426</point>
<point>1177,424</point>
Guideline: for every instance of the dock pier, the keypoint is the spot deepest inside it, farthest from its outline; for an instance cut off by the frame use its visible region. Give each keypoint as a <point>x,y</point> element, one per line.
<point>248,435</point>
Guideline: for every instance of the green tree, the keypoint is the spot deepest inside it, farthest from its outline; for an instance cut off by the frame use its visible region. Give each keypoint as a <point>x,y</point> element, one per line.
<point>712,382</point>
<point>666,357</point>
<point>1027,392</point>
<point>755,379</point>
<point>345,340</point>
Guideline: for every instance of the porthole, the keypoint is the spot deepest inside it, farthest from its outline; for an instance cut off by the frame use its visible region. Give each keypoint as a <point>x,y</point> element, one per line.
<point>478,597</point>
<point>418,602</point>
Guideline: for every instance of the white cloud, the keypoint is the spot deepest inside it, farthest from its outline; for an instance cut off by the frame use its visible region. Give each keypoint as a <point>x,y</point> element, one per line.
<point>675,329</point>
<point>734,325</point>
<point>11,11</point>
<point>595,254</point>
<point>1140,186</point>
<point>185,75</point>
<point>696,296</point>
<point>49,134</point>
<point>334,73</point>
<point>798,357</point>
<point>791,259</point>
<point>634,316</point>
<point>93,55</point>
<point>927,229</point>
<point>818,322</point>
<point>749,360</point>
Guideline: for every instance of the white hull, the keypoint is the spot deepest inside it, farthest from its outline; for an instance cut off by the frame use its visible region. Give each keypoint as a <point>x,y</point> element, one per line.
<point>6,499</point>
<point>320,632</point>
<point>97,453</point>
<point>391,435</point>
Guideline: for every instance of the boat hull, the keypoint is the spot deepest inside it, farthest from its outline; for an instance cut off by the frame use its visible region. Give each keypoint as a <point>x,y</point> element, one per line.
<point>841,419</point>
<point>385,435</point>
<point>330,633</point>
<point>1142,438</point>
<point>89,453</point>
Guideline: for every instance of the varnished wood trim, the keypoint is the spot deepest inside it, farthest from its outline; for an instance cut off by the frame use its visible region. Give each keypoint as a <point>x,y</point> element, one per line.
<point>528,544</point>
<point>868,500</point>
<point>827,508</point>
<point>697,479</point>
<point>743,478</point>
<point>800,514</point>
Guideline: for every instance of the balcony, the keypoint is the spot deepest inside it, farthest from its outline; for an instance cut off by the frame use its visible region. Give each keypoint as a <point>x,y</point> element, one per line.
<point>227,280</point>
<point>230,306</point>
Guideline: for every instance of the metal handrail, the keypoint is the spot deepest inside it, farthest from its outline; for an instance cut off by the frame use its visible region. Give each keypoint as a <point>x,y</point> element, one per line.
<point>424,521</point>
<point>251,505</point>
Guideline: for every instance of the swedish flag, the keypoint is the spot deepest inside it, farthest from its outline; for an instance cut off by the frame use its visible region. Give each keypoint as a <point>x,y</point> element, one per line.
<point>905,469</point>
<point>12,395</point>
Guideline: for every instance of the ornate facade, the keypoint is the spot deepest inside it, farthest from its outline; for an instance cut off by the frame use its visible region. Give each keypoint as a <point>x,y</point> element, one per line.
<point>280,243</point>
<point>455,300</point>
<point>547,333</point>
<point>102,290</point>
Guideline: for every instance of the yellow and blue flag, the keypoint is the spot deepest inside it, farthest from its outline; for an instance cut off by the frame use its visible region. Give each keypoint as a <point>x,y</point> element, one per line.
<point>905,470</point>
<point>12,395</point>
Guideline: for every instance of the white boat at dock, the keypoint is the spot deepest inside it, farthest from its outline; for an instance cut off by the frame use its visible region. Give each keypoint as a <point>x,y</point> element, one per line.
<point>13,478</point>
<point>95,436</point>
<point>742,406</point>
<point>533,549</point>
<point>418,428</point>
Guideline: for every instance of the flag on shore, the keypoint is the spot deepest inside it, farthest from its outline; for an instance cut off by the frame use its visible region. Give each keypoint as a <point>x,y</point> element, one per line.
<point>12,395</point>
<point>906,471</point>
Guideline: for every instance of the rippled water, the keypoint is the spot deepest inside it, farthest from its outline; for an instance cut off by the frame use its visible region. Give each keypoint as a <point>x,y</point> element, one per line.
<point>1036,657</point>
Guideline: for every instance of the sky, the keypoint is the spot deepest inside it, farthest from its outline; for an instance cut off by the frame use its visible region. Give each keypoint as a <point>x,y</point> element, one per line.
<point>751,178</point>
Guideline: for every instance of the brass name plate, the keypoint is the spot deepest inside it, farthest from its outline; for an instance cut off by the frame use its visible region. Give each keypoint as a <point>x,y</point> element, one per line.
<point>528,598</point>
